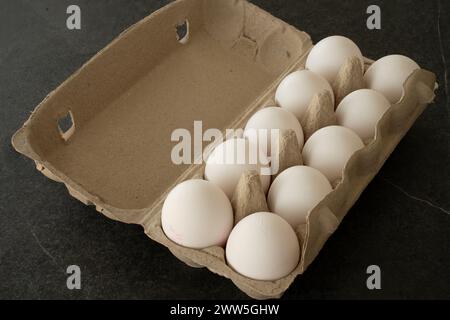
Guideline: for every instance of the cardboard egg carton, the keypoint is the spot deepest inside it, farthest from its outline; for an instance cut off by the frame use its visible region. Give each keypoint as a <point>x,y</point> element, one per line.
<point>127,100</point>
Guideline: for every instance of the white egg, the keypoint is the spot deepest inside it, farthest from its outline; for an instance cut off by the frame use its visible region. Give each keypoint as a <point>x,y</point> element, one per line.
<point>229,160</point>
<point>361,110</point>
<point>197,214</point>
<point>330,54</point>
<point>296,91</point>
<point>388,74</point>
<point>263,246</point>
<point>296,191</point>
<point>329,149</point>
<point>267,119</point>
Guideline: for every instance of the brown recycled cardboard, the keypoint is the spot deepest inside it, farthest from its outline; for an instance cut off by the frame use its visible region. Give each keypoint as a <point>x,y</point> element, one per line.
<point>289,152</point>
<point>249,196</point>
<point>349,78</point>
<point>126,101</point>
<point>319,114</point>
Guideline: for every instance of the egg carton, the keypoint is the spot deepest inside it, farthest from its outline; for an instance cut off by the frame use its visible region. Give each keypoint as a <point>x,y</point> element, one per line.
<point>124,103</point>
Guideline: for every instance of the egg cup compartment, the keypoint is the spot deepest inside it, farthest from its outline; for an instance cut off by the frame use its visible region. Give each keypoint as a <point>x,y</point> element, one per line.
<point>129,98</point>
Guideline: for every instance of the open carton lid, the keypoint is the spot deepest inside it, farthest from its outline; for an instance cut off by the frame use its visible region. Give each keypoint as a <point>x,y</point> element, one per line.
<point>126,102</point>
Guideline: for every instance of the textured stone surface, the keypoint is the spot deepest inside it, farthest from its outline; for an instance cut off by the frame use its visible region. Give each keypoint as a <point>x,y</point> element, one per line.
<point>400,223</point>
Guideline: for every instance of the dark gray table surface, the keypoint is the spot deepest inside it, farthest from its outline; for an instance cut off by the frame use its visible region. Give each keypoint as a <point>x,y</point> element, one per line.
<point>401,222</point>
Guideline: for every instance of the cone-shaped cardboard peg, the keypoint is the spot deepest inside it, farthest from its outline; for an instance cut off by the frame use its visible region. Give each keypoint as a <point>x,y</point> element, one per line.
<point>248,196</point>
<point>350,78</point>
<point>289,153</point>
<point>320,114</point>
